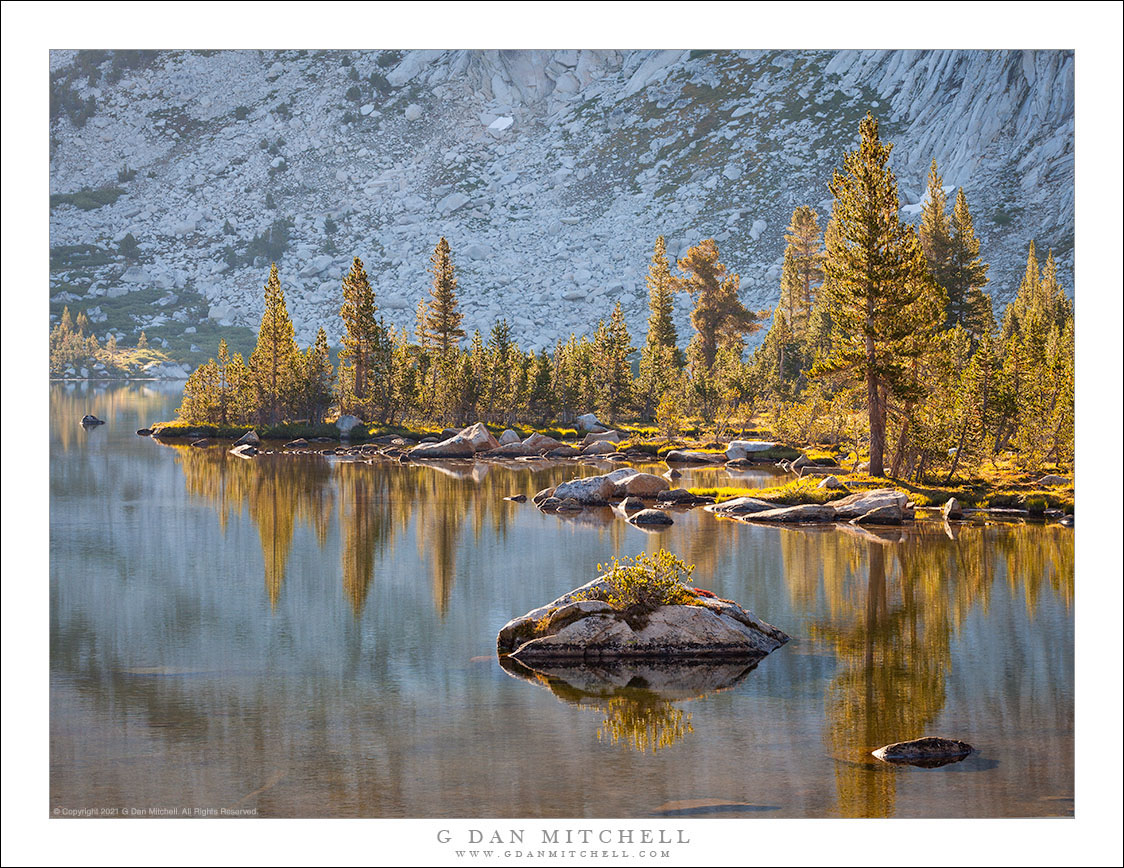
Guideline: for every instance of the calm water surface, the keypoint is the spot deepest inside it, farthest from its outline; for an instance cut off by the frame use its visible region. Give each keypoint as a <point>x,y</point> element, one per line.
<point>314,637</point>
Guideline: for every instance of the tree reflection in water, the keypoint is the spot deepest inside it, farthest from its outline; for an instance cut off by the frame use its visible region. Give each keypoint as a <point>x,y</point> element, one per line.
<point>894,601</point>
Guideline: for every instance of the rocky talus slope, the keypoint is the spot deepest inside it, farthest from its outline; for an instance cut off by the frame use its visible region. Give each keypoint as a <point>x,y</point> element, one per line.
<point>550,172</point>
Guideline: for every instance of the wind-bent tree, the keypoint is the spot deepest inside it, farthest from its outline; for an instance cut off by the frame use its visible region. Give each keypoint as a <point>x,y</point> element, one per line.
<point>877,284</point>
<point>719,315</point>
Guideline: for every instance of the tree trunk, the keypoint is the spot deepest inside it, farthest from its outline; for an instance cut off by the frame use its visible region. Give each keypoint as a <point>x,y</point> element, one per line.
<point>877,425</point>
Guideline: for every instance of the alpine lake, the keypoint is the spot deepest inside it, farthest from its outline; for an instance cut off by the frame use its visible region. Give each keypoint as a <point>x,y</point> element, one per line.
<point>314,636</point>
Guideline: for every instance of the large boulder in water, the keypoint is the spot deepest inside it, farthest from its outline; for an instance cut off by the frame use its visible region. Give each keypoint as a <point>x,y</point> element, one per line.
<point>582,625</point>
<point>90,420</point>
<point>859,504</point>
<point>455,447</point>
<point>590,490</point>
<point>633,482</point>
<point>739,450</point>
<point>480,437</point>
<point>250,437</point>
<point>464,444</point>
<point>537,444</point>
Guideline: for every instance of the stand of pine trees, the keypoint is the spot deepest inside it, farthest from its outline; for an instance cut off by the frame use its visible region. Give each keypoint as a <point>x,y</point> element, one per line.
<point>883,337</point>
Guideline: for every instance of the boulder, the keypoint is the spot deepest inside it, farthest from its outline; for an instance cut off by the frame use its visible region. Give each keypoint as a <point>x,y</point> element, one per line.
<point>952,509</point>
<point>888,514</point>
<point>549,504</point>
<point>599,447</point>
<point>542,495</point>
<point>299,443</point>
<point>930,751</point>
<point>569,504</point>
<point>675,495</point>
<point>632,503</point>
<point>683,456</point>
<point>246,450</point>
<point>581,625</point>
<point>455,447</point>
<point>90,420</point>
<point>591,490</point>
<point>509,436</point>
<point>251,437</point>
<point>507,450</point>
<point>651,517</point>
<point>538,444</point>
<point>593,437</point>
<point>805,512</point>
<point>144,432</point>
<point>741,506</point>
<point>562,452</point>
<point>346,422</point>
<point>517,498</point>
<point>480,437</point>
<point>633,482</point>
<point>831,482</point>
<point>859,504</point>
<point>739,450</point>
<point>588,422</point>
<point>1051,479</point>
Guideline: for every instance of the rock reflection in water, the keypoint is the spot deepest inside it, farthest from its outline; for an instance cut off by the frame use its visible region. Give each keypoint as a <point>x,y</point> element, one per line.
<point>635,696</point>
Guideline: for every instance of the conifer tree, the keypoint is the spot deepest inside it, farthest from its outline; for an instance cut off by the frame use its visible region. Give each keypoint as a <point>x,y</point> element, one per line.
<point>660,358</point>
<point>318,378</point>
<point>443,320</point>
<point>719,315</point>
<point>935,231</point>
<point>805,255</point>
<point>362,338</point>
<point>612,373</point>
<point>878,277</point>
<point>968,304</point>
<point>274,359</point>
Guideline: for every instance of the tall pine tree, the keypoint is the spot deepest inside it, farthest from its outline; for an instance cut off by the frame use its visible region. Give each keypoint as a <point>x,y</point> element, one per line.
<point>443,320</point>
<point>273,364</point>
<point>362,338</point>
<point>877,276</point>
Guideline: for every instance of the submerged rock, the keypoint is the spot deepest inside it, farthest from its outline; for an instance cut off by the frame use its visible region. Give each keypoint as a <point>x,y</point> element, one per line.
<point>246,450</point>
<point>90,420</point>
<point>582,625</point>
<point>651,517</point>
<point>928,752</point>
